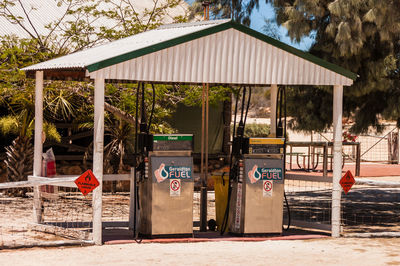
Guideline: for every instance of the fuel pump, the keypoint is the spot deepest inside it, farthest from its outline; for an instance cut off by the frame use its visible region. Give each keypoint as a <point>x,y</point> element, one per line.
<point>164,181</point>
<point>256,182</point>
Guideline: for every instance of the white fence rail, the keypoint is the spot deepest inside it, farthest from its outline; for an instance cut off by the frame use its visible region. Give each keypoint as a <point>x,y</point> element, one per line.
<point>371,208</point>
<point>66,216</point>
<point>375,147</point>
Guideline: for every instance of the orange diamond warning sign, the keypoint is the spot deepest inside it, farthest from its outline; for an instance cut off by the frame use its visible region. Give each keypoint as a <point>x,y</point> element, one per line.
<point>347,181</point>
<point>87,182</point>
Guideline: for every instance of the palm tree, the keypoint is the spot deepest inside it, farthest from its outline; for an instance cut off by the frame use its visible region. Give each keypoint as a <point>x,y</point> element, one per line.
<point>122,136</point>
<point>19,155</point>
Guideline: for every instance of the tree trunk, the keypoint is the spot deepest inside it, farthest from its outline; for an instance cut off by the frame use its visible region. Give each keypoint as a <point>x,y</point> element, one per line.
<point>19,163</point>
<point>19,159</point>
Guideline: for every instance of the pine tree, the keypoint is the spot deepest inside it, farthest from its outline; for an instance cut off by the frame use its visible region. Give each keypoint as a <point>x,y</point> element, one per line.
<point>359,35</point>
<point>238,10</point>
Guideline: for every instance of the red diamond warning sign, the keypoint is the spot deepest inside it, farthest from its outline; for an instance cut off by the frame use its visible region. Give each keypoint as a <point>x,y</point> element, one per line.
<point>347,181</point>
<point>87,182</point>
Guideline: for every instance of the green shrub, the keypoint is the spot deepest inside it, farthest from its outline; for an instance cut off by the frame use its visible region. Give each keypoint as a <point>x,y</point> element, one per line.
<point>256,130</point>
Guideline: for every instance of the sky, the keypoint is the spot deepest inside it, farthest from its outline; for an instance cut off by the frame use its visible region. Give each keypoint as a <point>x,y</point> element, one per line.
<point>266,11</point>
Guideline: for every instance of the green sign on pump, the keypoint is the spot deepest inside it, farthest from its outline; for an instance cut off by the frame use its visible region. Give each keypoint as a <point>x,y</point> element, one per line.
<point>173,142</point>
<point>172,138</point>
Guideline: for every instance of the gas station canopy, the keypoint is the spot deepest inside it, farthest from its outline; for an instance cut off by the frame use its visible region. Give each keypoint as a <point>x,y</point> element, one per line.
<point>208,52</point>
<point>214,52</point>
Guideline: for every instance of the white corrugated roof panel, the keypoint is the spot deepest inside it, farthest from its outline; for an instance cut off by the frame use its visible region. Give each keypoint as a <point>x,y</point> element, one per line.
<point>227,57</point>
<point>84,58</point>
<point>219,51</point>
<point>43,12</point>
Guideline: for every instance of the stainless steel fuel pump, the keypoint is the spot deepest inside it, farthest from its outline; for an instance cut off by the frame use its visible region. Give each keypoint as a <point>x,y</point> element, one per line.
<point>256,203</point>
<point>166,188</point>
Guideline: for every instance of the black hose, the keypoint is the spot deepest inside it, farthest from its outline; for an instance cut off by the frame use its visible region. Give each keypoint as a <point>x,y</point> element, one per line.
<point>143,124</point>
<point>247,108</point>
<point>243,101</point>
<point>136,123</point>
<point>143,113</point>
<point>234,119</point>
<point>285,115</point>
<point>280,105</point>
<point>135,232</point>
<point>284,155</point>
<point>288,212</point>
<point>276,107</point>
<point>241,125</point>
<point>137,208</point>
<point>278,114</point>
<point>152,108</point>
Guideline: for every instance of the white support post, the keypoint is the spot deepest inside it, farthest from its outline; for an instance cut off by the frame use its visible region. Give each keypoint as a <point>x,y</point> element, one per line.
<point>337,158</point>
<point>98,143</point>
<point>274,95</point>
<point>38,145</point>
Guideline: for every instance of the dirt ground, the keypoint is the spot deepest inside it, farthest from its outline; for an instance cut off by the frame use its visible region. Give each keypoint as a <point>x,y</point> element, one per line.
<point>327,251</point>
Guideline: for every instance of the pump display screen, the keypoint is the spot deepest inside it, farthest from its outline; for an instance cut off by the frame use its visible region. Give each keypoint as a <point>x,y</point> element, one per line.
<point>172,142</point>
<point>266,146</point>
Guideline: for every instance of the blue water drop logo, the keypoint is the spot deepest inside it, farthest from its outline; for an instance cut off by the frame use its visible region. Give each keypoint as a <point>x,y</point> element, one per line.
<point>164,173</point>
<point>257,175</point>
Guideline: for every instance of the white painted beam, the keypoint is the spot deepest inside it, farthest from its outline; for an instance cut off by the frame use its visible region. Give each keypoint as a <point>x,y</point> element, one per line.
<point>98,144</point>
<point>38,145</point>
<point>337,158</point>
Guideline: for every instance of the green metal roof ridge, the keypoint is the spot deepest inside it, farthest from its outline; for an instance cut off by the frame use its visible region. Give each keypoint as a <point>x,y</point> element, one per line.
<point>215,29</point>
<point>290,49</point>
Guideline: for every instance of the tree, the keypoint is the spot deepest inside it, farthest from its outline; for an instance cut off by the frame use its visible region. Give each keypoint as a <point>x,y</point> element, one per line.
<point>79,29</point>
<point>271,29</point>
<point>19,159</point>
<point>19,155</point>
<point>359,35</point>
<point>84,23</point>
<point>17,104</point>
<point>238,10</point>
